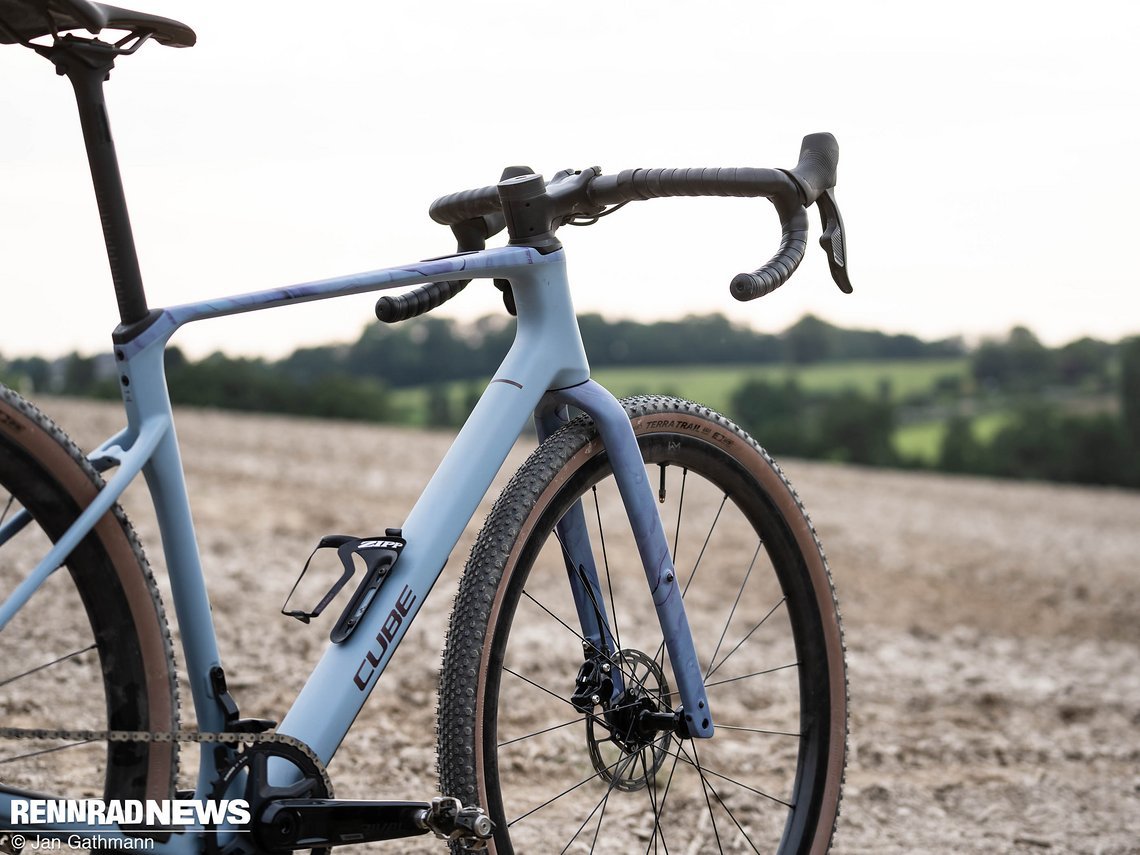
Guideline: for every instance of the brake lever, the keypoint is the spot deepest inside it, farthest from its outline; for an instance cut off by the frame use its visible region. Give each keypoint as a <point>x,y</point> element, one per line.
<point>832,240</point>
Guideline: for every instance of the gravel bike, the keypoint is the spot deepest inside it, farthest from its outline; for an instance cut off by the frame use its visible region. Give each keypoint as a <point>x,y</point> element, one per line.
<point>645,651</point>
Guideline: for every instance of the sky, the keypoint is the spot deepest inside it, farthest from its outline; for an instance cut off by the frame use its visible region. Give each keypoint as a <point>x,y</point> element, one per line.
<point>987,173</point>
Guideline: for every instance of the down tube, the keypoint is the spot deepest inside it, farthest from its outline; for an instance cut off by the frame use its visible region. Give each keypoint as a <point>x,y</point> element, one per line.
<point>547,350</point>
<point>334,693</point>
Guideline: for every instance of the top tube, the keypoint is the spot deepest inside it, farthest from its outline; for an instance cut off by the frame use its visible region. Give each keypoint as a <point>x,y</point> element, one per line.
<point>497,263</point>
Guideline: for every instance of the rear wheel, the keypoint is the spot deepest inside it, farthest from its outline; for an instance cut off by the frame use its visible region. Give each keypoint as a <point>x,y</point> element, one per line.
<point>90,651</point>
<point>766,626</point>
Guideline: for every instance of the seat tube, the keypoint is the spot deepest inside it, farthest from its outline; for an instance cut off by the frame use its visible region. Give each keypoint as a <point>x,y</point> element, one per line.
<point>87,65</point>
<point>652,546</point>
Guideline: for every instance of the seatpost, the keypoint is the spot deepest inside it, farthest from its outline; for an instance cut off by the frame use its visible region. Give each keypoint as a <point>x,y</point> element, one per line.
<point>87,64</point>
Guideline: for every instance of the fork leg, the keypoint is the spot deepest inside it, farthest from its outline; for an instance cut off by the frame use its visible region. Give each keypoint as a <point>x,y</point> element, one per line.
<point>637,496</point>
<point>581,570</point>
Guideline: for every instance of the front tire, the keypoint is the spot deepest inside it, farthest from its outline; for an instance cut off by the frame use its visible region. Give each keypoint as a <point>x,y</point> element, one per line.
<point>764,619</point>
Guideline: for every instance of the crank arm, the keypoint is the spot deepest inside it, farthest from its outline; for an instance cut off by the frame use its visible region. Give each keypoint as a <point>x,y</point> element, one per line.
<point>290,824</point>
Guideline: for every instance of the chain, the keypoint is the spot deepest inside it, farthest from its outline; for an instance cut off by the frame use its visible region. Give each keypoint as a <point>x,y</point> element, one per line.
<point>190,736</point>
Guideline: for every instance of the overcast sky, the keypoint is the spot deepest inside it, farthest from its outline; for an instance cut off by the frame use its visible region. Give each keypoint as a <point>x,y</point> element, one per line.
<point>988,172</point>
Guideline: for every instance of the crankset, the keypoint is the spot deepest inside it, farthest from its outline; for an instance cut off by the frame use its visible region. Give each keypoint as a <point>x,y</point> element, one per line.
<point>303,814</point>
<point>289,824</point>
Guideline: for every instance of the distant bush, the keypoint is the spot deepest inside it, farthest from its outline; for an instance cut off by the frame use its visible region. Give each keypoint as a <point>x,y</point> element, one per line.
<point>1130,391</point>
<point>777,414</point>
<point>255,386</point>
<point>848,426</point>
<point>1042,442</point>
<point>961,451</point>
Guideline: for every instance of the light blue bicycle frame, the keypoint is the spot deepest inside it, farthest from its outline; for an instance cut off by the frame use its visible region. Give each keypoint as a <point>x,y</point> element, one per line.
<point>545,370</point>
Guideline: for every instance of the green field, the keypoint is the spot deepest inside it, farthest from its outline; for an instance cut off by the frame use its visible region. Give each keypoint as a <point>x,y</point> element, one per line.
<point>923,441</point>
<point>713,385</point>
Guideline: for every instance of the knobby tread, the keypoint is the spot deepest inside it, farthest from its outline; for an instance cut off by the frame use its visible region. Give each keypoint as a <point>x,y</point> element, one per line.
<point>456,712</point>
<point>43,423</point>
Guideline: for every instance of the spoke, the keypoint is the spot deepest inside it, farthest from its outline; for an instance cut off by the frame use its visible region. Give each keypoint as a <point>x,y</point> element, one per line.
<point>567,626</point>
<point>598,613</point>
<point>720,726</point>
<point>15,525</point>
<point>771,611</point>
<point>672,693</point>
<point>680,507</point>
<point>601,804</point>
<point>727,810</point>
<point>538,686</point>
<point>63,658</point>
<point>565,792</point>
<point>693,574</point>
<point>613,632</point>
<point>601,615</point>
<point>547,730</point>
<point>571,629</point>
<point>7,508</point>
<point>606,564</point>
<point>601,817</point>
<point>649,792</point>
<point>47,751</point>
<point>559,620</point>
<point>707,771</point>
<point>705,790</point>
<point>589,715</point>
<point>735,603</point>
<point>754,674</point>
<point>705,545</point>
<point>664,796</point>
<point>651,789</point>
<point>732,816</point>
<point>629,760</point>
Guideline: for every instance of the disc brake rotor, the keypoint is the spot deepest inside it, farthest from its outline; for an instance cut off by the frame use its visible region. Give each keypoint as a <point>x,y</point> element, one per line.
<point>623,756</point>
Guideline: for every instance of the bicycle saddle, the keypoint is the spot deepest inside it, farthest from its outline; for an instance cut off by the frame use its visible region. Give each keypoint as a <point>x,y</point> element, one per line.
<point>24,20</point>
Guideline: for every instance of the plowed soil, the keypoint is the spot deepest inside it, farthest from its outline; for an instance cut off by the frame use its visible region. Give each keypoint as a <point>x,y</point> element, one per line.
<point>993,628</point>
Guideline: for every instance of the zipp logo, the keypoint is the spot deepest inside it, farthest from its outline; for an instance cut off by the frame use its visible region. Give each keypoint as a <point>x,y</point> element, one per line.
<point>379,544</point>
<point>388,631</point>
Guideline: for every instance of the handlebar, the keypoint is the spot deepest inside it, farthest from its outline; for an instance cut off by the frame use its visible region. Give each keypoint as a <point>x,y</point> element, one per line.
<point>533,210</point>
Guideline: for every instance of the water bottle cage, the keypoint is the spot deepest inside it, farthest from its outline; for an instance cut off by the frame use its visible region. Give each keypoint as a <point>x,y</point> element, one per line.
<point>379,555</point>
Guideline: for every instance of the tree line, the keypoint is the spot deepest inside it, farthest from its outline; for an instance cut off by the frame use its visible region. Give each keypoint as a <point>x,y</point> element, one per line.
<point>1073,412</point>
<point>434,349</point>
<point>351,381</point>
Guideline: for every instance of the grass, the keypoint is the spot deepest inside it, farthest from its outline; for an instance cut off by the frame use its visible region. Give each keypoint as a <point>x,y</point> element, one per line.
<point>923,441</point>
<point>412,403</point>
<point>713,385</point>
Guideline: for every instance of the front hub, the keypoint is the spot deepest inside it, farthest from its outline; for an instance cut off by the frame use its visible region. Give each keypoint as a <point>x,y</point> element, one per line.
<point>629,741</point>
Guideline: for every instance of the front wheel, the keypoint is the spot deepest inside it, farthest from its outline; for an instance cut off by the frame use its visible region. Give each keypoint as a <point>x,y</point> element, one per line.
<point>764,619</point>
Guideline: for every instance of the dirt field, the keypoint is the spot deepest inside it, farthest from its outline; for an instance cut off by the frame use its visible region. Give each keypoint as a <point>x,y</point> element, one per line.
<point>993,628</point>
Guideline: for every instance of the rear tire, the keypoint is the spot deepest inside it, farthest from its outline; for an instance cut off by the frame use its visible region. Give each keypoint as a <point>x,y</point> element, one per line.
<point>91,649</point>
<point>766,626</point>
